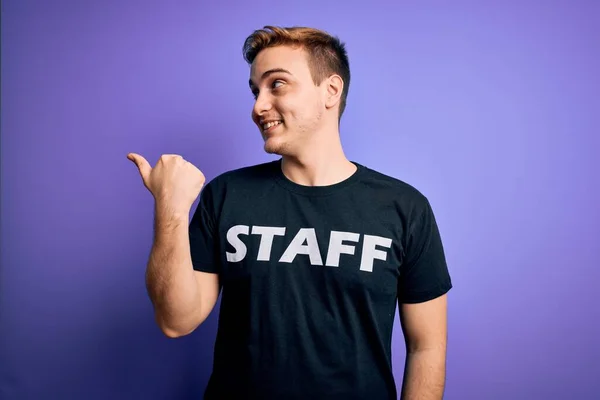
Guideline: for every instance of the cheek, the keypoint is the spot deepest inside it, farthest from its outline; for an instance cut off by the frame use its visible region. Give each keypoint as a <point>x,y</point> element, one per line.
<point>301,107</point>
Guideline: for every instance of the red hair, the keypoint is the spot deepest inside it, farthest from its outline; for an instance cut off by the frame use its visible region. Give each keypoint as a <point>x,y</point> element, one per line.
<point>326,54</point>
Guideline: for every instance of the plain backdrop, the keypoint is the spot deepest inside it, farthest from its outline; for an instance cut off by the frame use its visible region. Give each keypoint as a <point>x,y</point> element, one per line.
<point>491,109</point>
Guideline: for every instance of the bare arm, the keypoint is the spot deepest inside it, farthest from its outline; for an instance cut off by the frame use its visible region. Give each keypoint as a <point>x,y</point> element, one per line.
<point>425,332</point>
<point>182,297</point>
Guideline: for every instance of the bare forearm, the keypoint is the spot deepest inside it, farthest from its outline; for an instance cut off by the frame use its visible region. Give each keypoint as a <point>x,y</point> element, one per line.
<point>169,276</point>
<point>424,375</point>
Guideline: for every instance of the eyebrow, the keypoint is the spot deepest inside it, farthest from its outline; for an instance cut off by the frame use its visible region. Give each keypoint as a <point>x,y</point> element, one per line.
<point>270,72</point>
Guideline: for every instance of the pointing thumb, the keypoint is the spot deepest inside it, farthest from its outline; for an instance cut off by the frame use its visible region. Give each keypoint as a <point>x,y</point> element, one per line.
<point>143,165</point>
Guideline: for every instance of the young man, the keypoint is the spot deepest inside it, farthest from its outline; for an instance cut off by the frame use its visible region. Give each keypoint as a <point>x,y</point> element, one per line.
<point>311,251</point>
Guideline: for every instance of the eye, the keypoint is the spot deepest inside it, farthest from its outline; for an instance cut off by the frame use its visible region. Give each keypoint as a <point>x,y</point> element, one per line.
<point>274,85</point>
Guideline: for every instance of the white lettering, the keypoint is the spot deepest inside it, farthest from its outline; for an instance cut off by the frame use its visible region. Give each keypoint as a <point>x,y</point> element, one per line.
<point>370,252</point>
<point>234,240</point>
<point>311,248</point>
<point>305,243</point>
<point>267,233</point>
<point>337,247</point>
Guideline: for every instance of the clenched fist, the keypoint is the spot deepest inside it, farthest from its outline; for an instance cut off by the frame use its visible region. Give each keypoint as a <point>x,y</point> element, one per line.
<point>174,182</point>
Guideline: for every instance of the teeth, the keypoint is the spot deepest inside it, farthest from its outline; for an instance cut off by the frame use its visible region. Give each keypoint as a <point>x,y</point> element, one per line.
<point>270,124</point>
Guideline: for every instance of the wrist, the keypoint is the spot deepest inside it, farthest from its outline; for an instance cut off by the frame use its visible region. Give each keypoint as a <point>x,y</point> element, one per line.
<point>168,213</point>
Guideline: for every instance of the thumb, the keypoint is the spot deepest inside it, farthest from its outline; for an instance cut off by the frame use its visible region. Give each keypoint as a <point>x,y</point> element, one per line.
<point>143,165</point>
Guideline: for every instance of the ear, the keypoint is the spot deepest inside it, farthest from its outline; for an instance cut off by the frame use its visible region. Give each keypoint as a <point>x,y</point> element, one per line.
<point>334,87</point>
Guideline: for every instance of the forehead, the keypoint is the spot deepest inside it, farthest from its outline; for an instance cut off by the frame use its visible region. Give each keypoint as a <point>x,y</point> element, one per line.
<point>292,59</point>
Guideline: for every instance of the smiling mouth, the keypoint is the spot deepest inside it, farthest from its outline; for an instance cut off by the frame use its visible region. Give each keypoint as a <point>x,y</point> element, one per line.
<point>269,126</point>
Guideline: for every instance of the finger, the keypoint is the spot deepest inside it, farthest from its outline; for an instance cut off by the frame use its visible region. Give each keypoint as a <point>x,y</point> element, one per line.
<point>143,165</point>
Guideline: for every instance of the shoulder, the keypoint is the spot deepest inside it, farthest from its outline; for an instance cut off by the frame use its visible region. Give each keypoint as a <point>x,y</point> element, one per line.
<point>395,189</point>
<point>244,178</point>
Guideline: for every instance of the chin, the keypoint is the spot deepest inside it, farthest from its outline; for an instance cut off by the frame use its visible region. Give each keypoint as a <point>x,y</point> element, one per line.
<point>270,149</point>
<point>277,147</point>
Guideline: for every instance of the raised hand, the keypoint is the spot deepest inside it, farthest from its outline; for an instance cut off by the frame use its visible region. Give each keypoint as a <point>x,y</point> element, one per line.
<point>174,182</point>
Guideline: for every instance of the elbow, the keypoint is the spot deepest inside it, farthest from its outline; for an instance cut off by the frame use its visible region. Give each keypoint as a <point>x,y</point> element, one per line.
<point>175,330</point>
<point>175,333</point>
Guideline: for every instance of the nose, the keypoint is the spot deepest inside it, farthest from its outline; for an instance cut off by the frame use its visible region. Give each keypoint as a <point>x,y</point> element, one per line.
<point>262,104</point>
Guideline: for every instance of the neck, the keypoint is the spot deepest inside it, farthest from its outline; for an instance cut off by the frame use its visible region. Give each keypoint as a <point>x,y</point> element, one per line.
<point>322,162</point>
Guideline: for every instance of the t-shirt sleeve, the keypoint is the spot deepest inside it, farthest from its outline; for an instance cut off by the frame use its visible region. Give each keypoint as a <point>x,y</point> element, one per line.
<point>203,233</point>
<point>424,272</point>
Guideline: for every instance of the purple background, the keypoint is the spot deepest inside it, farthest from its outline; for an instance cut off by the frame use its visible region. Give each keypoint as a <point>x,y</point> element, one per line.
<point>491,109</point>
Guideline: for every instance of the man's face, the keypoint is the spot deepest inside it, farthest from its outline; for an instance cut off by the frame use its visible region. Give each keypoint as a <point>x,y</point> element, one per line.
<point>289,106</point>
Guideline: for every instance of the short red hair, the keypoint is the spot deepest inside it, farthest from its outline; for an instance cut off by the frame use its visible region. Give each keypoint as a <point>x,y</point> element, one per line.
<point>327,54</point>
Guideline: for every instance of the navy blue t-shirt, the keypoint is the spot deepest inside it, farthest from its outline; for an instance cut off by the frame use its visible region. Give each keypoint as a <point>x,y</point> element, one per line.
<point>311,277</point>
